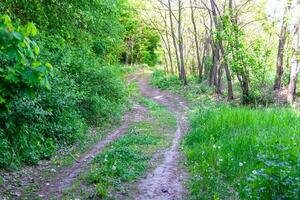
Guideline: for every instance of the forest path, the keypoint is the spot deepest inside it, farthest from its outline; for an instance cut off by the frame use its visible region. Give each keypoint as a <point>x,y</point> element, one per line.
<point>165,182</point>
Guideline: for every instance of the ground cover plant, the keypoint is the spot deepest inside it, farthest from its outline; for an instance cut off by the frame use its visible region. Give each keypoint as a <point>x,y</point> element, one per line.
<point>244,153</point>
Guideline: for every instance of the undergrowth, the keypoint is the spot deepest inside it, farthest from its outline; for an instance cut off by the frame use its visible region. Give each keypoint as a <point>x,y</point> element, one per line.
<point>243,153</point>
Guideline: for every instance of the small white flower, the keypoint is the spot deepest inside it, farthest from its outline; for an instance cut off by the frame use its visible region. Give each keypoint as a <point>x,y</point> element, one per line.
<point>114,168</point>
<point>220,159</point>
<point>241,164</point>
<point>105,160</point>
<point>254,172</point>
<point>214,146</point>
<point>219,147</point>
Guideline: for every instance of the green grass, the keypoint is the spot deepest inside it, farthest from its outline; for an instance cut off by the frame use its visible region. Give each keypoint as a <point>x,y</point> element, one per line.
<point>125,160</point>
<point>243,153</point>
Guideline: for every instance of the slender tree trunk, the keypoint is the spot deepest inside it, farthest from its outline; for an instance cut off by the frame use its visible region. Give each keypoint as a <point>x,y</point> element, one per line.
<point>216,62</point>
<point>180,44</point>
<point>295,62</point>
<point>293,80</point>
<point>280,53</point>
<point>166,62</point>
<point>174,38</point>
<point>169,46</point>
<point>220,46</point>
<point>199,64</point>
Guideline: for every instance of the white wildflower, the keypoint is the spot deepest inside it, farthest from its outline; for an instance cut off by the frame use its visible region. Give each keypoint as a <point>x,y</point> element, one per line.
<point>214,146</point>
<point>114,168</point>
<point>254,172</point>
<point>241,164</point>
<point>220,159</point>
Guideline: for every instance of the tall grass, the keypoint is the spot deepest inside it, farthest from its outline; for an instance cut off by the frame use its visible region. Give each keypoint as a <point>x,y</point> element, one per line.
<point>243,153</point>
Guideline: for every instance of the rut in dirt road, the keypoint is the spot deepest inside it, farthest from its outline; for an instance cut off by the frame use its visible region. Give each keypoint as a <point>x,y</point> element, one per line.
<point>164,183</point>
<point>66,176</point>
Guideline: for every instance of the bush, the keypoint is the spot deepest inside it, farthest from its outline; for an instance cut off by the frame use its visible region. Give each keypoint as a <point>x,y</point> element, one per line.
<point>35,120</point>
<point>243,153</point>
<point>104,95</point>
<point>162,81</point>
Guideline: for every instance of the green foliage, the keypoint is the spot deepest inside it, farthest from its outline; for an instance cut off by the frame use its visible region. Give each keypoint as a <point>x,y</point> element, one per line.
<point>104,94</point>
<point>21,71</point>
<point>243,153</point>
<point>249,63</point>
<point>82,45</point>
<point>162,81</point>
<point>192,92</point>
<point>142,41</point>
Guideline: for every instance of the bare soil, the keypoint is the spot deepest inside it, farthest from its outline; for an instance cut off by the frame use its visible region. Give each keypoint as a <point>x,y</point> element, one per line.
<point>166,181</point>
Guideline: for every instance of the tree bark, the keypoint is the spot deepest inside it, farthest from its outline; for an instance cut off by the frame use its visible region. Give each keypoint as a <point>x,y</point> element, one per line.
<point>280,53</point>
<point>293,81</point>
<point>220,45</point>
<point>169,46</point>
<point>295,62</point>
<point>174,38</point>
<point>180,44</point>
<point>199,63</point>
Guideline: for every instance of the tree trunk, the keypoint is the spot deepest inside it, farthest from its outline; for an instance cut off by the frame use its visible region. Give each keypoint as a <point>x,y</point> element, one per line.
<point>295,61</point>
<point>174,38</point>
<point>180,44</point>
<point>228,74</point>
<point>293,81</point>
<point>216,62</point>
<point>199,64</point>
<point>169,46</point>
<point>280,53</point>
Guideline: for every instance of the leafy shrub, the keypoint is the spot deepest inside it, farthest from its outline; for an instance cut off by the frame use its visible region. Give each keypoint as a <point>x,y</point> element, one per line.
<point>243,153</point>
<point>104,94</point>
<point>161,80</point>
<point>21,71</point>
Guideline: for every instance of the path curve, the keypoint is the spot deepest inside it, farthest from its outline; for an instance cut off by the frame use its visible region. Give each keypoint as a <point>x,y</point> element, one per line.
<point>165,182</point>
<point>65,177</point>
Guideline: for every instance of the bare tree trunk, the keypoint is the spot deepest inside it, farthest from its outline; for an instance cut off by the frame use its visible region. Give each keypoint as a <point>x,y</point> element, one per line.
<point>199,64</point>
<point>166,62</point>
<point>216,62</point>
<point>295,62</point>
<point>168,46</point>
<point>220,46</point>
<point>174,38</point>
<point>282,39</point>
<point>293,80</point>
<point>180,44</point>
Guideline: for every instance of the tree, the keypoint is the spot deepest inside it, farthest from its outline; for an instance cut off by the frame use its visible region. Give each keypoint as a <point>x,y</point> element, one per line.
<point>295,68</point>
<point>281,45</point>
<point>180,44</point>
<point>199,63</point>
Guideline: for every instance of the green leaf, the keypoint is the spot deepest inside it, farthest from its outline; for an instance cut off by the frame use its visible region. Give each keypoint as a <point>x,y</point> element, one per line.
<point>31,29</point>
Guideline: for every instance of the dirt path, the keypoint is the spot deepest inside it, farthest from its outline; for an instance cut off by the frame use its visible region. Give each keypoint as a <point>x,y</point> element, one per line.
<point>165,181</point>
<point>66,176</point>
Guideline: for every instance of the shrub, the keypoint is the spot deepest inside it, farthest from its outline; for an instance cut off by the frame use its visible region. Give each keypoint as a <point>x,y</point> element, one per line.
<point>161,80</point>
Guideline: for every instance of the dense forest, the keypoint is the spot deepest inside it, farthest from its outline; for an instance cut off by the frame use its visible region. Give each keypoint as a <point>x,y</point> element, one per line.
<point>149,99</point>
